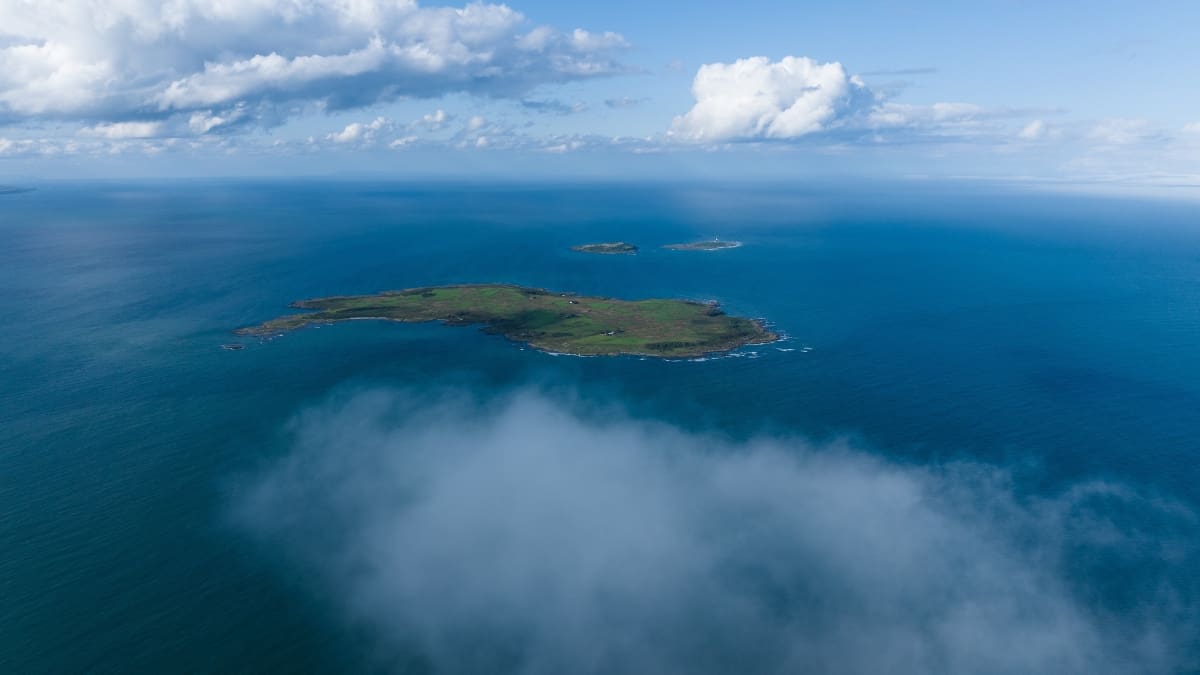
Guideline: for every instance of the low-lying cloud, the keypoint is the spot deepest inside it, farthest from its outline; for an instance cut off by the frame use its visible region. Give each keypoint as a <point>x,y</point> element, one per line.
<point>527,535</point>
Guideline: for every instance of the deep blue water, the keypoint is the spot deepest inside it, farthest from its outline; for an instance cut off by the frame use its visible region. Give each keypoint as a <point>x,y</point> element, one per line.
<point>1057,333</point>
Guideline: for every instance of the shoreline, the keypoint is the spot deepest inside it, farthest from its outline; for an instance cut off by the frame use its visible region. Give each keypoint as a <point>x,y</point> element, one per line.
<point>269,335</point>
<point>543,320</point>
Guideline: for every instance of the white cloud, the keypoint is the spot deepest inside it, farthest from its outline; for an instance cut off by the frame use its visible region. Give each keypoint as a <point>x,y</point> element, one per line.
<point>1193,128</point>
<point>553,539</point>
<point>435,120</point>
<point>124,130</point>
<point>1032,131</point>
<point>757,98</point>
<point>537,39</point>
<point>269,75</point>
<point>563,148</point>
<point>125,60</point>
<point>202,122</point>
<point>596,42</point>
<point>359,132</point>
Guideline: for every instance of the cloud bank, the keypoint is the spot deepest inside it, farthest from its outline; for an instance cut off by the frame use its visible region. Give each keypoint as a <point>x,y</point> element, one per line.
<point>528,536</point>
<point>124,61</point>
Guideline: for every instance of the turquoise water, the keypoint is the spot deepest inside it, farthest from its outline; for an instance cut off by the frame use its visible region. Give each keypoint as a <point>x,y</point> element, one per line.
<point>1056,334</point>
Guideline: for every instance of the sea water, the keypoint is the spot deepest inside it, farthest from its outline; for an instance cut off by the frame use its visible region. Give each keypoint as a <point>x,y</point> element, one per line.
<point>925,322</point>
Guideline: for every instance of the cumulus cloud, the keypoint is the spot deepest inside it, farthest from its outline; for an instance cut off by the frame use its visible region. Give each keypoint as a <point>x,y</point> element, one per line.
<point>435,120</point>
<point>757,98</point>
<point>127,60</point>
<point>530,536</point>
<point>360,132</point>
<point>402,142</point>
<point>20,147</point>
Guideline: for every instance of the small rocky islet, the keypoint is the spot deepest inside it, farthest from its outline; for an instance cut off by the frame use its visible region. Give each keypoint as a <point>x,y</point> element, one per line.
<point>607,248</point>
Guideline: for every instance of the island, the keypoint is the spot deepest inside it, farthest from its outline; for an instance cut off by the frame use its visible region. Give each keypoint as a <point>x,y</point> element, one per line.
<point>608,248</point>
<point>707,245</point>
<point>563,323</point>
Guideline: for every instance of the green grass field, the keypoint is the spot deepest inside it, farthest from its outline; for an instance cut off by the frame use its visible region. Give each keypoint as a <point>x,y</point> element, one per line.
<point>607,247</point>
<point>558,322</point>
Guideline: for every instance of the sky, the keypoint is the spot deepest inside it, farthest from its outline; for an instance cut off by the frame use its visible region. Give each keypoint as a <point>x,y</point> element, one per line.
<point>1100,92</point>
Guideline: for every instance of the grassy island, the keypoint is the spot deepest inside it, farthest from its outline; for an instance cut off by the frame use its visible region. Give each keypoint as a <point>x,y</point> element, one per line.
<point>708,245</point>
<point>553,322</point>
<point>611,247</point>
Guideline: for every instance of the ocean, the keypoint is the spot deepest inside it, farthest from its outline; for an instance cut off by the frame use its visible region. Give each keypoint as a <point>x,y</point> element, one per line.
<point>1053,337</point>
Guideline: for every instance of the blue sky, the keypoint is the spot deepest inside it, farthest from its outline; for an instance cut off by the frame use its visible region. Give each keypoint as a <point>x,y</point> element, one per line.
<point>1100,92</point>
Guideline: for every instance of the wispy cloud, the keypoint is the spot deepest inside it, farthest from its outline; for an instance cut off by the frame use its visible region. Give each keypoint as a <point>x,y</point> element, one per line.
<point>124,130</point>
<point>554,106</point>
<point>622,102</point>
<point>1122,131</point>
<point>533,536</point>
<point>1032,131</point>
